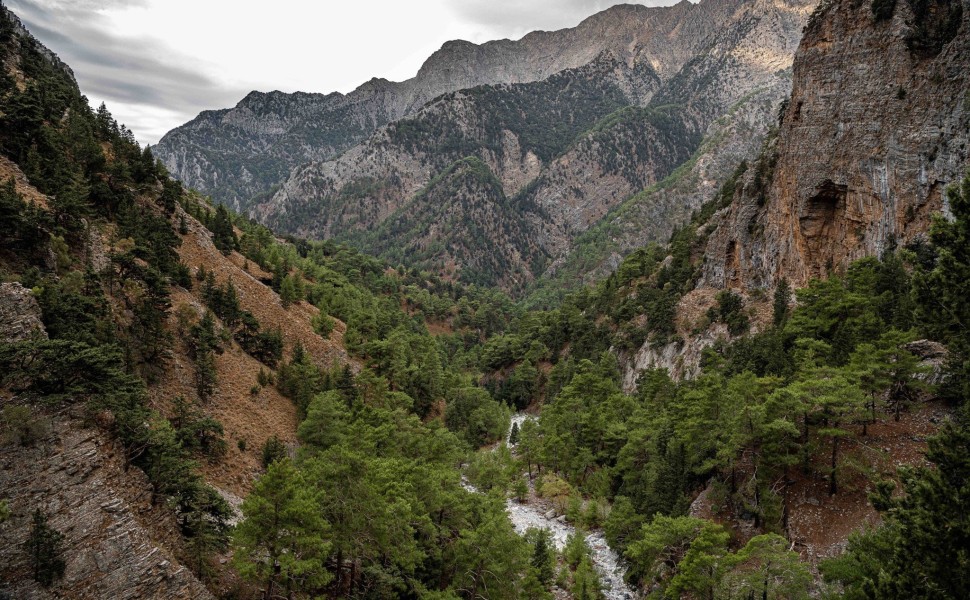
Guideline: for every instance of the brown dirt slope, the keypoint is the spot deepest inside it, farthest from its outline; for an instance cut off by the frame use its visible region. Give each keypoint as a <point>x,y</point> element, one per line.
<point>819,524</point>
<point>244,416</point>
<point>10,170</point>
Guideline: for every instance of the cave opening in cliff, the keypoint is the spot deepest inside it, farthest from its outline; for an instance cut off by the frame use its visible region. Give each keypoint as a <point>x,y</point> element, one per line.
<point>820,223</point>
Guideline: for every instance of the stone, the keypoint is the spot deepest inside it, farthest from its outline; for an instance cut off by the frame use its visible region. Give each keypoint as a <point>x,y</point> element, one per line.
<point>20,315</point>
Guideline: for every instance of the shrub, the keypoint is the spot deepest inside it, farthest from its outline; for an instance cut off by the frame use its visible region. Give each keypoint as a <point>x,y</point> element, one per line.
<point>273,450</point>
<point>21,427</point>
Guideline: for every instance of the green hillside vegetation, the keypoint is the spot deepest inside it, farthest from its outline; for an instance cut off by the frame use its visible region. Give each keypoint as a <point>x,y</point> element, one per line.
<point>592,249</point>
<point>461,217</point>
<point>766,407</point>
<point>372,504</point>
<point>106,328</point>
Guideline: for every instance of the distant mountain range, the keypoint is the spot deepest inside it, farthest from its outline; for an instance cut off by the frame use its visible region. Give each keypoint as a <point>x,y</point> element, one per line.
<point>570,125</point>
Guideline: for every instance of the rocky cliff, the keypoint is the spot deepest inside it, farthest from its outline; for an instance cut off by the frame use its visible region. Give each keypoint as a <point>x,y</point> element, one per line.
<point>117,544</point>
<point>863,155</point>
<point>20,316</point>
<point>860,162</point>
<point>236,154</point>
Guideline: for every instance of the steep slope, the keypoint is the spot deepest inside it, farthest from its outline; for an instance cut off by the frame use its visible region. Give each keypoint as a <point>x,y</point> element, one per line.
<point>118,543</point>
<point>863,155</point>
<point>514,129</point>
<point>67,460</point>
<point>248,419</point>
<point>480,236</point>
<point>646,217</point>
<point>99,247</point>
<point>235,154</point>
<point>727,94</point>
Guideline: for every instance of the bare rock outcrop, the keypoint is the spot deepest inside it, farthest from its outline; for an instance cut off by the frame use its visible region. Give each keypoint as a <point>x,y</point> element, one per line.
<point>115,540</point>
<point>20,316</point>
<point>877,127</point>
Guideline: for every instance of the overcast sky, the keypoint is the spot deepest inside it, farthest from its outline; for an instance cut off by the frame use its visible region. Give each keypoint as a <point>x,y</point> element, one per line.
<point>158,63</point>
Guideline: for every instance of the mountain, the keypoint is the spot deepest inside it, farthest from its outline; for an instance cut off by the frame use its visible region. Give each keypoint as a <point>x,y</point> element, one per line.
<point>236,154</point>
<point>195,407</point>
<point>567,149</point>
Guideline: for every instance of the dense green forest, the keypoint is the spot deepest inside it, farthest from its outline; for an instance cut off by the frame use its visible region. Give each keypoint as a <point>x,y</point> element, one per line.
<point>373,503</point>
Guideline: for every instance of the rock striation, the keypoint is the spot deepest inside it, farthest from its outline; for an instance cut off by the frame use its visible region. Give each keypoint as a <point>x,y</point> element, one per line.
<point>876,129</point>
<point>20,316</point>
<point>115,541</point>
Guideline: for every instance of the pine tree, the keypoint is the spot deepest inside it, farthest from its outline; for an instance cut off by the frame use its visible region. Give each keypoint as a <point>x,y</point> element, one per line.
<point>283,539</point>
<point>782,298</point>
<point>44,549</point>
<point>944,290</point>
<point>921,551</point>
<point>543,556</point>
<point>291,290</point>
<point>223,235</point>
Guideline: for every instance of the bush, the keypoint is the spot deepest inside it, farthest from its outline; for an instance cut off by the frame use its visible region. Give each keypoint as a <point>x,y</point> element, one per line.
<point>730,311</point>
<point>21,427</point>
<point>323,324</point>
<point>273,450</point>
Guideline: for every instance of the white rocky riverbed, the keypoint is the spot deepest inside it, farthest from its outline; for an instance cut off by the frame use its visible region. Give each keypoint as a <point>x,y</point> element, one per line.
<point>606,561</point>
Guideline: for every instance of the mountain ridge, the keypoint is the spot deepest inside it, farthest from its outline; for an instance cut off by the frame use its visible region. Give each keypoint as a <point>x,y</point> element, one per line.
<point>232,164</point>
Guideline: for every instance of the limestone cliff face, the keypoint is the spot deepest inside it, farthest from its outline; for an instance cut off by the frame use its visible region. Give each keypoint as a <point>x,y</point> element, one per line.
<point>117,544</point>
<point>20,316</point>
<point>647,217</point>
<point>878,125</point>
<point>235,154</point>
<point>876,128</point>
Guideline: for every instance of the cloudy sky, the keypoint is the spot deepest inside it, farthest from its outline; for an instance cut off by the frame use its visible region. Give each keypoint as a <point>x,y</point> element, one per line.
<point>157,63</point>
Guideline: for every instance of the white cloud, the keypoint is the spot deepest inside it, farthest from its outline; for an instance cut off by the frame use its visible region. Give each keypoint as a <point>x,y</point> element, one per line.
<point>514,18</point>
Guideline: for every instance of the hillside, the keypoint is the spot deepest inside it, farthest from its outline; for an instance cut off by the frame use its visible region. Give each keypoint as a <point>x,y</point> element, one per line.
<point>160,354</point>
